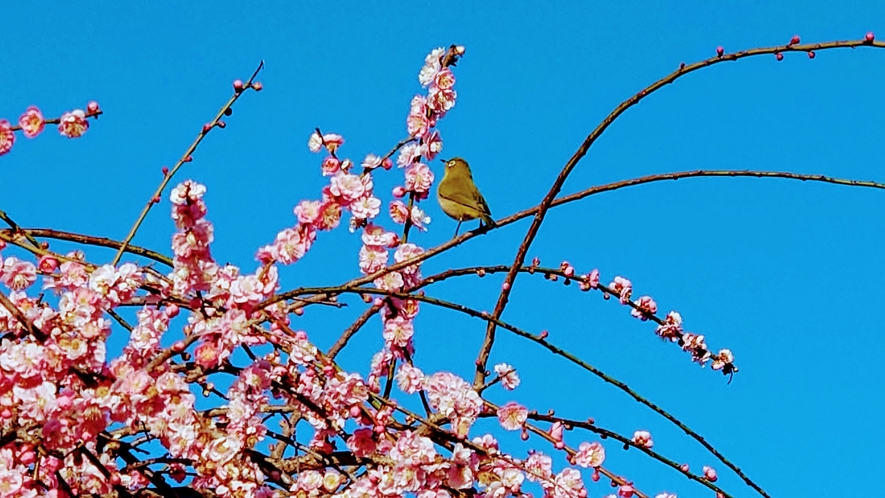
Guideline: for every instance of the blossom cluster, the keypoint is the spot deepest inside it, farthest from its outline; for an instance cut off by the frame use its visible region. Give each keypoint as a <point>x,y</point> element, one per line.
<point>31,123</point>
<point>73,421</point>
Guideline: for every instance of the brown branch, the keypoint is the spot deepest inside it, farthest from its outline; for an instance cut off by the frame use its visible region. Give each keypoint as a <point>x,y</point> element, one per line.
<point>48,233</point>
<point>509,280</point>
<point>184,158</point>
<point>21,318</point>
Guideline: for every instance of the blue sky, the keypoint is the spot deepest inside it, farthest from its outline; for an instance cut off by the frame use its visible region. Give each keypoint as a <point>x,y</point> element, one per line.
<point>786,274</point>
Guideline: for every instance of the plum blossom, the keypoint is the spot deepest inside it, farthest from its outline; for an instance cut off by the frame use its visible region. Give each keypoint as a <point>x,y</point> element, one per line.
<point>7,136</point>
<point>409,378</point>
<point>645,306</point>
<point>512,416</point>
<point>73,124</point>
<point>589,455</point>
<point>623,288</point>
<point>17,274</point>
<point>32,122</point>
<point>643,438</point>
<point>508,376</point>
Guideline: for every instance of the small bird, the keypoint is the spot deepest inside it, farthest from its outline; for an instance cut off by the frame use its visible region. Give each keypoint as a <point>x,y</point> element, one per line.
<point>458,196</point>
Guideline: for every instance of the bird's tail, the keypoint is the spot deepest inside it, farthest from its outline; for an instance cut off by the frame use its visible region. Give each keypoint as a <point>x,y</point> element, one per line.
<point>487,219</point>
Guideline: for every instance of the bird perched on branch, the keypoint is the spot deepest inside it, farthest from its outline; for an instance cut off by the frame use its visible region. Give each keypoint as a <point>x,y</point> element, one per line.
<point>458,196</point>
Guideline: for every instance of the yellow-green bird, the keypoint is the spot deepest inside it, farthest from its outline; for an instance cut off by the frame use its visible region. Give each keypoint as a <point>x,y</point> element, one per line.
<point>458,196</point>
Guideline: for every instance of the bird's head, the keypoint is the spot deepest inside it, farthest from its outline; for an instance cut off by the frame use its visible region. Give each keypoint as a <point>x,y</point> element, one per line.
<point>456,166</point>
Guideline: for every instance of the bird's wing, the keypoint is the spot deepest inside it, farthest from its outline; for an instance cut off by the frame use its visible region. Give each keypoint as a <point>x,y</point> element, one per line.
<point>472,200</point>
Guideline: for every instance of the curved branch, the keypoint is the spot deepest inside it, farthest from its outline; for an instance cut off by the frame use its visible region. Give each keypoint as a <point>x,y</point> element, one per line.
<point>503,297</point>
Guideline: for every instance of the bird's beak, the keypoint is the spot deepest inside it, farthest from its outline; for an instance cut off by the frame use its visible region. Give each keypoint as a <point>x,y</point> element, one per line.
<point>444,160</point>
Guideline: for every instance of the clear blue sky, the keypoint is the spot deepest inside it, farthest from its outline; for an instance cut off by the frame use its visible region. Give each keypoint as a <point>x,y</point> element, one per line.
<point>788,275</point>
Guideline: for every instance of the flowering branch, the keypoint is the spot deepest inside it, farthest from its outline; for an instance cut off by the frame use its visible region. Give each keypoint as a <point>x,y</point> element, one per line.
<point>503,297</point>
<point>226,110</point>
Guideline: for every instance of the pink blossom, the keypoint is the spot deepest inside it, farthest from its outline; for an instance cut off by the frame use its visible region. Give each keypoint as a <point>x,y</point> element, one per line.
<point>508,376</point>
<point>645,307</point>
<point>408,154</point>
<point>292,244</point>
<point>374,235</point>
<point>556,434</point>
<point>330,140</point>
<point>445,79</point>
<point>643,438</point>
<point>419,218</point>
<point>626,490</point>
<point>512,416</point>
<point>538,467</point>
<point>623,288</point>
<point>671,328</point>
<point>17,274</point>
<point>398,332</point>
<point>568,483</point>
<point>419,178</point>
<point>590,455</point>
<point>432,146</point>
<point>331,165</point>
<point>454,398</point>
<point>399,213</point>
<point>73,124</point>
<point>409,378</point>
<point>362,443</point>
<point>694,344</point>
<point>7,136</point>
<point>417,123</point>
<point>710,474</point>
<point>441,100</point>
<point>348,187</point>
<point>432,66</point>
<point>371,162</point>
<point>392,281</point>
<point>366,207</point>
<point>330,216</point>
<point>372,259</point>
<point>32,122</point>
<point>405,252</point>
<point>722,359</point>
<point>308,211</point>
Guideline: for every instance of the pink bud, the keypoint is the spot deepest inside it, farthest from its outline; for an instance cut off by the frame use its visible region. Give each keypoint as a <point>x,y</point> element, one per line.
<point>399,192</point>
<point>47,264</point>
<point>869,37</point>
<point>165,170</point>
<point>171,310</point>
<point>779,56</point>
<point>195,303</point>
<point>222,124</point>
<point>188,159</point>
<point>92,107</point>
<point>207,127</point>
<point>595,476</point>
<point>178,346</point>
<point>257,86</point>
<point>301,335</point>
<point>505,286</point>
<point>524,436</point>
<point>28,457</point>
<point>155,199</point>
<point>794,40</point>
<point>299,311</point>
<point>354,411</point>
<point>387,163</point>
<point>710,473</point>
<point>811,54</point>
<point>238,85</point>
<point>720,51</point>
<point>543,334</point>
<point>536,261</point>
<point>378,302</point>
<point>115,479</point>
<point>684,467</point>
<point>569,271</point>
